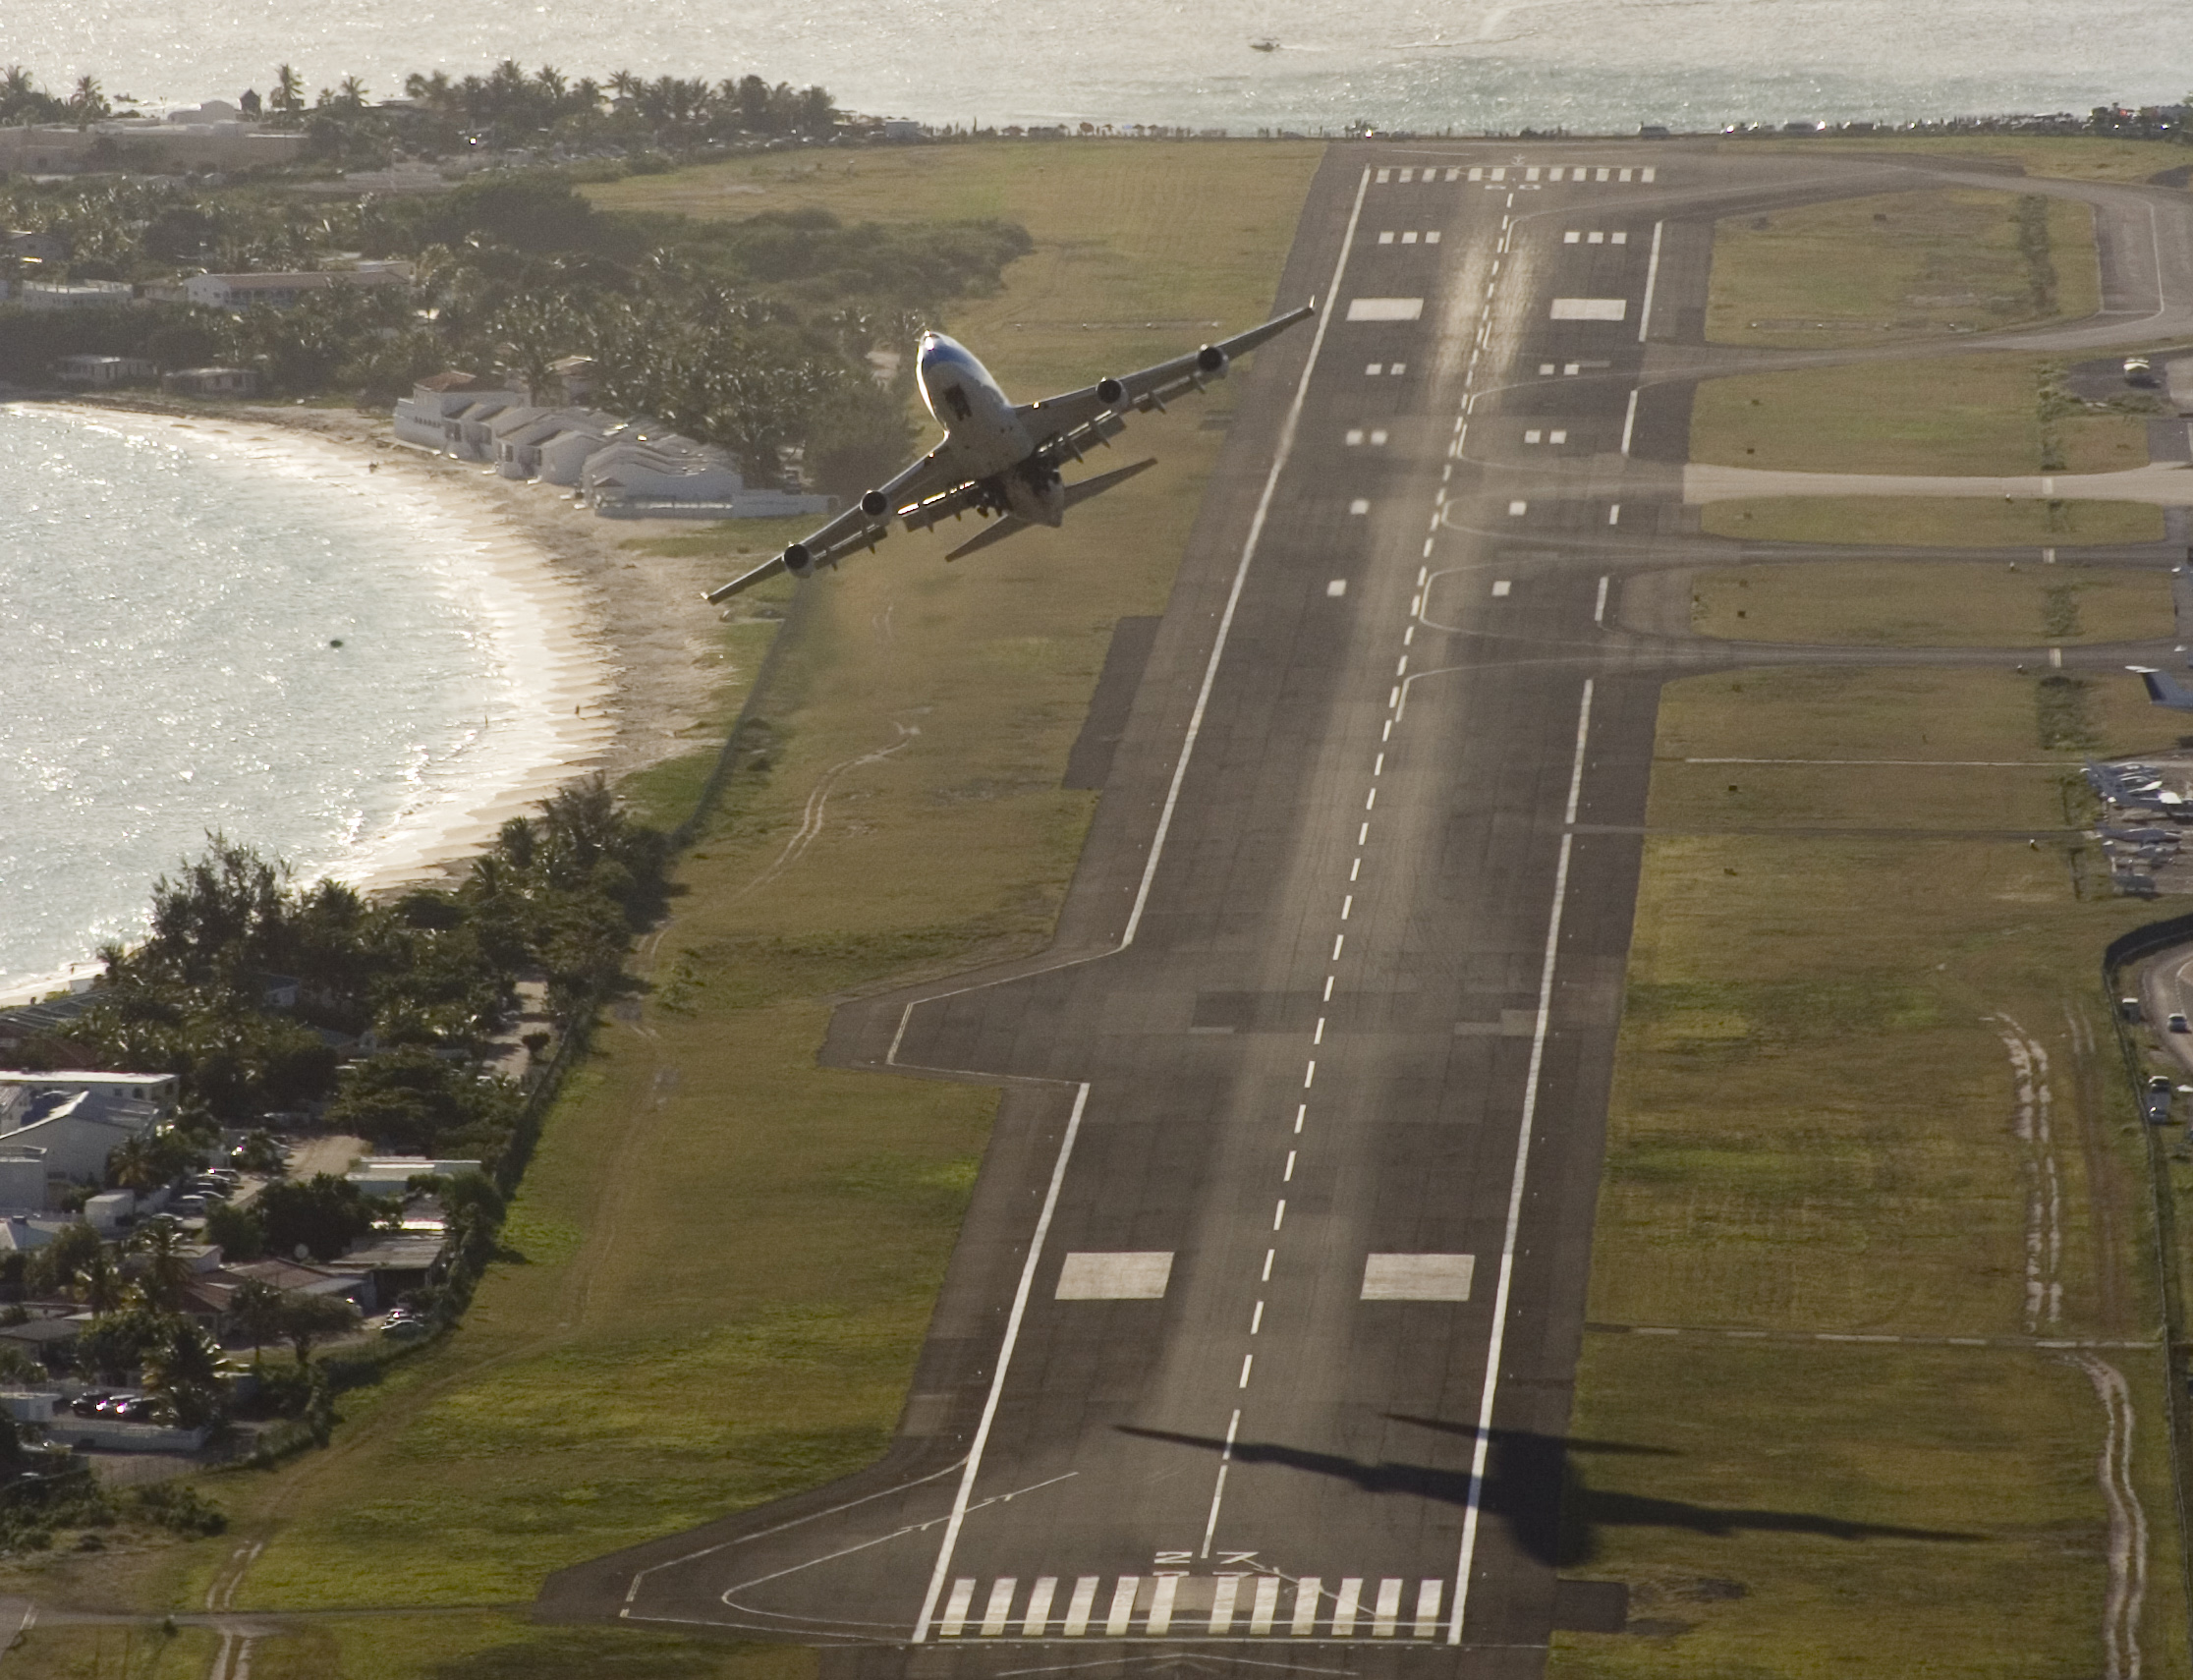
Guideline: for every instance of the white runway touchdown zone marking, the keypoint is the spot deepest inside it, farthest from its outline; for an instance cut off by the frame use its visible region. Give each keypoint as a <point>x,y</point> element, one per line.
<point>1589,308</point>
<point>1385,308</point>
<point>1338,587</point>
<point>1123,1276</point>
<point>1418,1277</point>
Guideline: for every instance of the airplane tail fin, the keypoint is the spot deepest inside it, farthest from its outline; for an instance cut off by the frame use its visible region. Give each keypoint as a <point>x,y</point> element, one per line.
<point>1096,486</point>
<point>2163,689</point>
<point>997,532</point>
<point>1075,493</point>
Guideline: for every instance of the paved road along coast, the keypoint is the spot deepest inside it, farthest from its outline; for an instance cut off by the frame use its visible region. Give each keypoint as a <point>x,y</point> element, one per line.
<point>1260,1336</point>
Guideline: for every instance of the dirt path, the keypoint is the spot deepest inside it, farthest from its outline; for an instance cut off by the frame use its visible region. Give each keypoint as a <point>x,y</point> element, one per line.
<point>2128,1527</point>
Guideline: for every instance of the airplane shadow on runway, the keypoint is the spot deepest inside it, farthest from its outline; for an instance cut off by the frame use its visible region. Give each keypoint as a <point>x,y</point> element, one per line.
<point>1540,1496</point>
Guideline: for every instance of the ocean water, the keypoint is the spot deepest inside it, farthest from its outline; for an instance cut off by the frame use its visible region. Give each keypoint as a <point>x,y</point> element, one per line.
<point>1590,65</point>
<point>169,598</point>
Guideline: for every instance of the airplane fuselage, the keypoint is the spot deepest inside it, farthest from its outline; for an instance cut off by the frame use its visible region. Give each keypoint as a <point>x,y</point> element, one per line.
<point>984,436</point>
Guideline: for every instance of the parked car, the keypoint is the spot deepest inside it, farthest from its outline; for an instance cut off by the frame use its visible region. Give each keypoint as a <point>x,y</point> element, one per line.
<point>2139,370</point>
<point>2176,1023</point>
<point>87,1404</point>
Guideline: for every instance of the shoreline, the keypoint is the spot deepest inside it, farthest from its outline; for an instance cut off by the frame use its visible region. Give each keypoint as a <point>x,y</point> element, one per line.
<point>606,655</point>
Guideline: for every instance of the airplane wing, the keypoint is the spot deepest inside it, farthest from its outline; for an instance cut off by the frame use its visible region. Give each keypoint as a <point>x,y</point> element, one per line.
<point>866,522</point>
<point>1063,427</point>
<point>1068,422</point>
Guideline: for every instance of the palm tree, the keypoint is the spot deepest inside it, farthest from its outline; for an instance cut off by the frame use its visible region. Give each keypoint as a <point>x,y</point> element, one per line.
<point>131,1164</point>
<point>167,1268</point>
<point>99,1283</point>
<point>256,1307</point>
<point>349,93</point>
<point>86,101</point>
<point>185,1368</point>
<point>288,96</point>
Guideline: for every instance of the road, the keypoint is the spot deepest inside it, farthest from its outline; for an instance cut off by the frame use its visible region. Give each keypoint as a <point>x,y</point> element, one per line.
<point>1262,1330</point>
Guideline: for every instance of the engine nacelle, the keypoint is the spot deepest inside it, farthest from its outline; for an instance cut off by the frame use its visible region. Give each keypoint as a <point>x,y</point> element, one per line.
<point>1109,392</point>
<point>875,504</point>
<point>797,560</point>
<point>1210,360</point>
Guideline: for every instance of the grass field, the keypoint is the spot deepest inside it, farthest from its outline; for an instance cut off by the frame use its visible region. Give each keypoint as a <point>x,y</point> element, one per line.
<point>458,1645</point>
<point>723,1256</point>
<point>1932,522</point>
<point>1814,1130</point>
<point>2063,157</point>
<point>1889,603</point>
<point>1937,749</point>
<point>1989,415</point>
<point>1899,266</point>
<point>1141,245</point>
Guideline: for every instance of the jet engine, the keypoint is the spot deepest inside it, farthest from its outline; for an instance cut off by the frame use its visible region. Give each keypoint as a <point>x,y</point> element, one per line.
<point>1109,391</point>
<point>875,504</point>
<point>1210,360</point>
<point>798,561</point>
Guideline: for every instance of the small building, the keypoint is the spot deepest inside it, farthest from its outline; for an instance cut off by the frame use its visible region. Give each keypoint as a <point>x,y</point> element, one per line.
<point>388,1175</point>
<point>429,414</point>
<point>110,1210</point>
<point>49,1339</point>
<point>22,1186</point>
<point>281,291</point>
<point>666,476</point>
<point>391,1262</point>
<point>213,382</point>
<point>102,372</point>
<point>298,1278</point>
<point>579,376</point>
<point>74,295</point>
<point>35,245</point>
<point>77,1118</point>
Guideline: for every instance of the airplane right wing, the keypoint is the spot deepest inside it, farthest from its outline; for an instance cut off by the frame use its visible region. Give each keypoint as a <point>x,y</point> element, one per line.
<point>1072,419</point>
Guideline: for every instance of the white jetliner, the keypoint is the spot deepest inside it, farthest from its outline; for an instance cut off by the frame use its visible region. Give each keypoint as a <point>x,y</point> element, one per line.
<point>996,458</point>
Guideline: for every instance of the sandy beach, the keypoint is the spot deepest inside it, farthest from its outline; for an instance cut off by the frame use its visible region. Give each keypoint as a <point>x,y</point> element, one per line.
<point>608,655</point>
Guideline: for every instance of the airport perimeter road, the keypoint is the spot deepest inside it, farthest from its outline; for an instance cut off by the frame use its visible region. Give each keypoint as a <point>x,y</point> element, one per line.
<point>1259,1340</point>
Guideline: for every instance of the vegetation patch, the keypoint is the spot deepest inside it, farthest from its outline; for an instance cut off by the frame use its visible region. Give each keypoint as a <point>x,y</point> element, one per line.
<point>1990,415</point>
<point>1932,522</point>
<point>1906,603</point>
<point>2062,158</point>
<point>1815,1132</point>
<point>1900,266</point>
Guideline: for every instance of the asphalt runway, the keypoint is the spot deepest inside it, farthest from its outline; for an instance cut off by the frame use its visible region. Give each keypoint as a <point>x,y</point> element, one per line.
<point>1260,1336</point>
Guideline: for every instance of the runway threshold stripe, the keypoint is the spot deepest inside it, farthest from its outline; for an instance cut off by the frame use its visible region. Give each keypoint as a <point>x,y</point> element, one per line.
<point>1151,1604</point>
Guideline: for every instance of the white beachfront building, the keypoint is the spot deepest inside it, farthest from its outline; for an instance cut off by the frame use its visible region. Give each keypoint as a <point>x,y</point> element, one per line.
<point>103,372</point>
<point>450,411</point>
<point>664,476</point>
<point>623,469</point>
<point>281,291</point>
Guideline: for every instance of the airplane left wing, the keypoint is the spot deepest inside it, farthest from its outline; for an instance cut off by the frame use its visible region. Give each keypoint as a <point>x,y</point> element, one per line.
<point>1073,421</point>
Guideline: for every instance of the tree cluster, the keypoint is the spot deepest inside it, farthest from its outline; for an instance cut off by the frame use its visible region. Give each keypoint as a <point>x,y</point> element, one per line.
<point>750,334</point>
<point>432,974</point>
